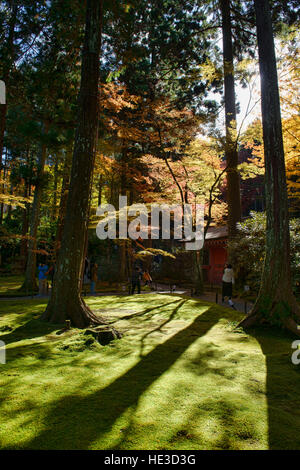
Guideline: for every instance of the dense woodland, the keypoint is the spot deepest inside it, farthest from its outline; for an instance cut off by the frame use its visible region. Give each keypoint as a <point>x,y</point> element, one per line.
<point>108,98</point>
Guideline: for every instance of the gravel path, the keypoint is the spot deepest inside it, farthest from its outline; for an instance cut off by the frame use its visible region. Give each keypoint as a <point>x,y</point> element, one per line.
<point>239,304</point>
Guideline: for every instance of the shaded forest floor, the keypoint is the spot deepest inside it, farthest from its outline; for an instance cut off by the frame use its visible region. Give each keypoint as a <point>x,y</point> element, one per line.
<point>180,378</point>
<point>10,285</point>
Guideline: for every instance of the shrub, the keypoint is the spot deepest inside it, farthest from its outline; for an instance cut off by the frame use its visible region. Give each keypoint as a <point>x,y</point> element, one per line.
<point>248,251</point>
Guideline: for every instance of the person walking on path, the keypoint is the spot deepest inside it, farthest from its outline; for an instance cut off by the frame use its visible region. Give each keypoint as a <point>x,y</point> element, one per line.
<point>147,278</point>
<point>136,280</point>
<point>94,277</point>
<point>42,275</point>
<point>227,283</point>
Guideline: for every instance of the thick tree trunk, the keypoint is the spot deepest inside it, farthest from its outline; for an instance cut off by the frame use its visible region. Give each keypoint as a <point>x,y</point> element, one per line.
<point>66,302</point>
<point>199,281</point>
<point>55,184</point>
<point>23,246</point>
<point>231,152</point>
<point>25,224</point>
<point>63,200</point>
<point>100,187</point>
<point>2,186</point>
<point>25,216</point>
<point>30,284</point>
<point>276,303</point>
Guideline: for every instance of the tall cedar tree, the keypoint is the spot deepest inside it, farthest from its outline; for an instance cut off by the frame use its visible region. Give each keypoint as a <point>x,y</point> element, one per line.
<point>231,152</point>
<point>29,285</point>
<point>46,106</point>
<point>66,302</point>
<point>276,303</point>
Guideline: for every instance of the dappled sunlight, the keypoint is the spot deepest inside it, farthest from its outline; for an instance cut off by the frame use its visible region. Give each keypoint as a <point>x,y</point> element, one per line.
<point>149,226</point>
<point>280,385</point>
<point>181,377</point>
<point>11,285</point>
<point>220,416</point>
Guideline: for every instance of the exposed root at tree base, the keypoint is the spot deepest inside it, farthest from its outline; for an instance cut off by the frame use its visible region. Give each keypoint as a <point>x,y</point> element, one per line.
<point>79,314</point>
<point>249,321</point>
<point>256,318</point>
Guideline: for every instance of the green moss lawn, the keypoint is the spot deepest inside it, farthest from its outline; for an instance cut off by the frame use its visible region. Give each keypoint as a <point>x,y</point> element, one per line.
<point>10,287</point>
<point>180,378</point>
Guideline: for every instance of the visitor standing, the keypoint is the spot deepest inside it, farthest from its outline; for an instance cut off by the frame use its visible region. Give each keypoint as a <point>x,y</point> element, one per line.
<point>42,275</point>
<point>227,283</point>
<point>136,280</point>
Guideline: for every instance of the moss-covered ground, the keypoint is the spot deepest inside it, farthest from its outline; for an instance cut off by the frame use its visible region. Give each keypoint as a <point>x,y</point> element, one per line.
<point>182,377</point>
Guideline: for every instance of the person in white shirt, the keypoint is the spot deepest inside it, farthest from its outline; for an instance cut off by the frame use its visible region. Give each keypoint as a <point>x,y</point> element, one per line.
<point>227,283</point>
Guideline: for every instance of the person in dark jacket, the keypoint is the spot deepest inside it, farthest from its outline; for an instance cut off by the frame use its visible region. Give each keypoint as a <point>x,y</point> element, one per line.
<point>136,280</point>
<point>42,275</point>
<point>227,284</point>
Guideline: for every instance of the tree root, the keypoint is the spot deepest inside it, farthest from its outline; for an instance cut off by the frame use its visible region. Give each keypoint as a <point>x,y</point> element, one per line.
<point>29,287</point>
<point>249,321</point>
<point>255,317</point>
<point>79,314</point>
<point>292,326</point>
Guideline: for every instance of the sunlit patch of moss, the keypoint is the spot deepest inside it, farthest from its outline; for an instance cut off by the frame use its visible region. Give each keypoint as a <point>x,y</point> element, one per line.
<point>181,377</point>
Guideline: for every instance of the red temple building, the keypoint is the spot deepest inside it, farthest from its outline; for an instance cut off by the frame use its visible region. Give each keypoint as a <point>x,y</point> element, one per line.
<point>215,254</point>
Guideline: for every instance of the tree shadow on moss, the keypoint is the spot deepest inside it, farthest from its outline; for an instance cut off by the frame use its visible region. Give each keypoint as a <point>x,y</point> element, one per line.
<point>282,388</point>
<point>29,330</point>
<point>159,327</point>
<point>77,421</point>
<point>145,312</point>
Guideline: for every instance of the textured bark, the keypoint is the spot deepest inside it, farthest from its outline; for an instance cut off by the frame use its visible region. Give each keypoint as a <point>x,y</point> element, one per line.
<point>30,284</point>
<point>100,188</point>
<point>63,200</point>
<point>123,265</point>
<point>231,152</point>
<point>55,184</point>
<point>66,302</point>
<point>124,192</point>
<point>26,213</point>
<point>25,225</point>
<point>276,303</point>
<point>199,282</point>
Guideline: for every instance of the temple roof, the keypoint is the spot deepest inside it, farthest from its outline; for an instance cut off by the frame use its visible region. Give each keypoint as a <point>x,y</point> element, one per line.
<point>217,232</point>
